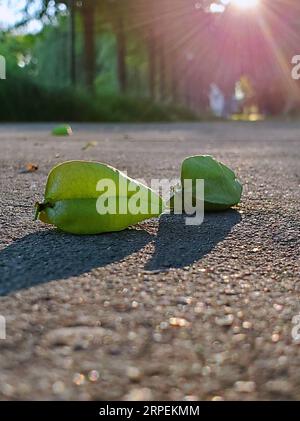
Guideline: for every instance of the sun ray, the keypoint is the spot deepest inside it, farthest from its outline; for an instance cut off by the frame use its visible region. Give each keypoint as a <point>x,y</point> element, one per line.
<point>245,4</point>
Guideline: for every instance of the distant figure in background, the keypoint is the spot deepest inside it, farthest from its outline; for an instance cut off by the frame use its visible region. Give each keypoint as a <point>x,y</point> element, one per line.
<point>2,67</point>
<point>216,100</point>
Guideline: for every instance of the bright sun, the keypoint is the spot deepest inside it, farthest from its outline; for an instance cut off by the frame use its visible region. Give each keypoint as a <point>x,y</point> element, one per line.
<point>245,4</point>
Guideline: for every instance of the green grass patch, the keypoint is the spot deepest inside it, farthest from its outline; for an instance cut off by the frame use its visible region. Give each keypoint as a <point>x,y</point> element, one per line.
<point>23,100</point>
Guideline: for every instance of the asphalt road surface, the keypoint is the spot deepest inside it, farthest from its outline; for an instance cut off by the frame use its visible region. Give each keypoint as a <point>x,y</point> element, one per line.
<point>163,310</point>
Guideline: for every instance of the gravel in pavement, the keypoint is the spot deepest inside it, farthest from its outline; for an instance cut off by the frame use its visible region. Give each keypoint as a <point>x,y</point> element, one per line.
<point>163,310</point>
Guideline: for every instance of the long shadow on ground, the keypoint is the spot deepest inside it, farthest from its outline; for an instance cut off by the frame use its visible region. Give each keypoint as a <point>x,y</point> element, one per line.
<point>178,245</point>
<point>51,255</point>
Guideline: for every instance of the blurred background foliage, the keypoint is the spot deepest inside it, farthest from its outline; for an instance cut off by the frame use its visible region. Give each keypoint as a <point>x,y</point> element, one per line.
<point>140,60</point>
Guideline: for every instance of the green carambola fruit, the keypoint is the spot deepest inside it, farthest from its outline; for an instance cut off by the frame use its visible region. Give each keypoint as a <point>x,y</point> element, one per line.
<point>63,130</point>
<point>221,187</point>
<point>71,199</point>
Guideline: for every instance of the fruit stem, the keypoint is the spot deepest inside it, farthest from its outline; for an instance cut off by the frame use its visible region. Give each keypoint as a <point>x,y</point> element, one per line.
<point>39,207</point>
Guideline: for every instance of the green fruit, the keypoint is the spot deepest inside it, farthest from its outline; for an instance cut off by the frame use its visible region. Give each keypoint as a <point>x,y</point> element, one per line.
<point>63,130</point>
<point>75,194</point>
<point>221,187</point>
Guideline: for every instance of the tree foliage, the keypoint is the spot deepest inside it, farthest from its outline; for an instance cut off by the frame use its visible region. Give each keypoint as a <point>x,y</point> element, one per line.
<point>170,50</point>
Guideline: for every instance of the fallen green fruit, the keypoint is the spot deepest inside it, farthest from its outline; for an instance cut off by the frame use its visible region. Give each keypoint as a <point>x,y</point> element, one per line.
<point>63,130</point>
<point>77,191</point>
<point>221,187</point>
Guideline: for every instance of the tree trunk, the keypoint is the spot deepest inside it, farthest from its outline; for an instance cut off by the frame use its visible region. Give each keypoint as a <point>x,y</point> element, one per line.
<point>121,55</point>
<point>152,67</point>
<point>72,43</point>
<point>175,77</point>
<point>152,51</point>
<point>162,50</point>
<point>162,69</point>
<point>88,15</point>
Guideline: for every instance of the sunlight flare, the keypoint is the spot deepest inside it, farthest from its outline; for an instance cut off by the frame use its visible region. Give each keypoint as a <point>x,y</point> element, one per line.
<point>245,4</point>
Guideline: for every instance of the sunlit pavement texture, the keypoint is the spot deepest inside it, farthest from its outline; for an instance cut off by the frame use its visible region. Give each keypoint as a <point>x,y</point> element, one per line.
<point>163,311</point>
